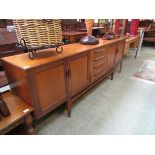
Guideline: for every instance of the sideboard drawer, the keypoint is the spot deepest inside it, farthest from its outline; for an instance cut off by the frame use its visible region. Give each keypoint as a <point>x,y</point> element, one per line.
<point>99,53</point>
<point>99,69</point>
<point>99,75</point>
<point>99,62</point>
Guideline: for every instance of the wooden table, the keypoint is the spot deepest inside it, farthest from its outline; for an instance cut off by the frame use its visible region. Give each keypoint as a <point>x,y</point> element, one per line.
<point>74,36</point>
<point>20,113</point>
<point>131,42</point>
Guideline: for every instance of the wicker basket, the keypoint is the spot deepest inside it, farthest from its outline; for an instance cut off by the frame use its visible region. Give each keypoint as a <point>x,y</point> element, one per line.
<point>38,33</point>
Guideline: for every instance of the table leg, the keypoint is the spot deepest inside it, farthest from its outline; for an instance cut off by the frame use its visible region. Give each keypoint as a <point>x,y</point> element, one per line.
<point>28,123</point>
<point>3,107</point>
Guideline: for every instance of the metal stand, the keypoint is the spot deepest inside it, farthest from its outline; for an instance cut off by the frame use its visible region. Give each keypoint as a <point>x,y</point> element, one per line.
<point>33,50</point>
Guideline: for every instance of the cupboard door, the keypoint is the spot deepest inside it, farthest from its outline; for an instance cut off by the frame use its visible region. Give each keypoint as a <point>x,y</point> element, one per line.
<point>78,73</point>
<point>111,56</point>
<point>49,86</point>
<point>119,53</point>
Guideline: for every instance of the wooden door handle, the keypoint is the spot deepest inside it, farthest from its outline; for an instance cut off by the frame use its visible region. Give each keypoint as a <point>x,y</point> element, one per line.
<point>69,72</point>
<point>116,50</point>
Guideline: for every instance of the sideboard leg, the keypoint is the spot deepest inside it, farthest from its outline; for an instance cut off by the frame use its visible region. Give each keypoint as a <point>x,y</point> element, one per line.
<point>28,122</point>
<point>112,75</point>
<point>136,53</point>
<point>69,107</point>
<point>120,69</point>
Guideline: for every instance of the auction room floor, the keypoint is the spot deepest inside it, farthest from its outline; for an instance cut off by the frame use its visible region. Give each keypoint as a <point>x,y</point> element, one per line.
<point>121,106</point>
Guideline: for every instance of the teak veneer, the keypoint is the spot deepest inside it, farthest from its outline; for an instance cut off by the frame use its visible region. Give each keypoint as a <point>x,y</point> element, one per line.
<point>53,79</point>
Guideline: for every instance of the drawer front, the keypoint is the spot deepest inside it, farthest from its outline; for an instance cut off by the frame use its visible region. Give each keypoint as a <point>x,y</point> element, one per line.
<point>99,62</point>
<point>96,77</point>
<point>99,69</point>
<point>99,53</point>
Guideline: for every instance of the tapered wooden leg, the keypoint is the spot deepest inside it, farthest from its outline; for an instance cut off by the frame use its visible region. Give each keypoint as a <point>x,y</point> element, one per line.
<point>28,123</point>
<point>120,69</point>
<point>112,75</point>
<point>136,53</point>
<point>69,107</point>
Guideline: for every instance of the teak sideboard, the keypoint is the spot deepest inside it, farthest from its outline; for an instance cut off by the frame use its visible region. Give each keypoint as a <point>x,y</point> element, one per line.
<point>53,79</point>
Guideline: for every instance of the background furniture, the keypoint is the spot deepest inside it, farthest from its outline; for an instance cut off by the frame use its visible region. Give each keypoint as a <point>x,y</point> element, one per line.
<point>53,79</point>
<point>74,36</point>
<point>8,41</point>
<point>149,36</point>
<point>131,42</point>
<point>72,24</point>
<point>20,113</point>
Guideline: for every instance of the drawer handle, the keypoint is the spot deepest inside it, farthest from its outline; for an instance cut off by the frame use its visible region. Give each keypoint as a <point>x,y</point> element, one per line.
<point>99,58</point>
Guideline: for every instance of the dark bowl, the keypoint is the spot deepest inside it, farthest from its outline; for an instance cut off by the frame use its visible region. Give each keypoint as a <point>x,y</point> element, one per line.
<point>89,40</point>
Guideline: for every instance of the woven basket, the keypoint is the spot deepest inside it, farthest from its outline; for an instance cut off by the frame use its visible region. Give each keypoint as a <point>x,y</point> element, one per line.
<point>38,33</point>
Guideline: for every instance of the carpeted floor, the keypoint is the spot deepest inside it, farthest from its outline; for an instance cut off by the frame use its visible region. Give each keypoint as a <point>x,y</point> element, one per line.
<point>121,106</point>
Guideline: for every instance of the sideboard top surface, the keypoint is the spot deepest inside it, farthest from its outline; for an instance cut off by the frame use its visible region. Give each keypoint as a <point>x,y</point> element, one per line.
<point>50,55</point>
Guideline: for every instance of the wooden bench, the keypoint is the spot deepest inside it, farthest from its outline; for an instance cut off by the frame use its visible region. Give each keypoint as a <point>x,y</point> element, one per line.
<point>20,113</point>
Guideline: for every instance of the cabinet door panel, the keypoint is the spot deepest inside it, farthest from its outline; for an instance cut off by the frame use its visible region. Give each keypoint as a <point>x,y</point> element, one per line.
<point>111,56</point>
<point>120,50</point>
<point>50,86</point>
<point>79,77</point>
